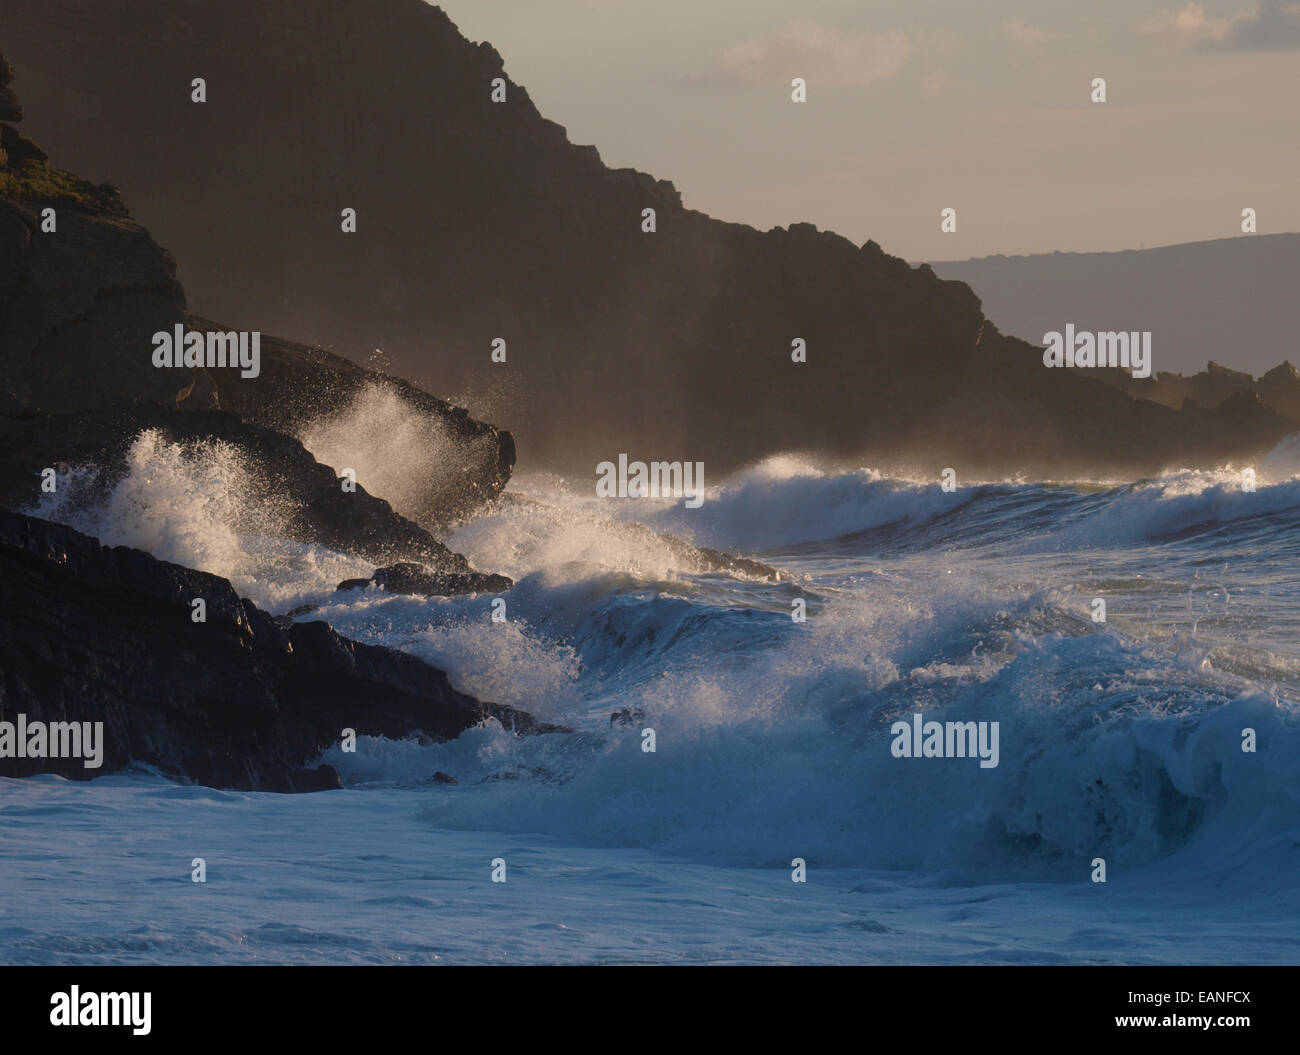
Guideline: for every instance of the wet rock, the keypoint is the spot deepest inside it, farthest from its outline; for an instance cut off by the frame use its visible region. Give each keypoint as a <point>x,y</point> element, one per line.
<point>288,492</point>
<point>626,716</point>
<point>408,577</point>
<point>321,778</point>
<point>463,462</point>
<point>90,633</point>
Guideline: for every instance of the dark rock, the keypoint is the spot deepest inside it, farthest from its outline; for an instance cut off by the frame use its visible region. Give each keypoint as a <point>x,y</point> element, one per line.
<point>1279,390</point>
<point>715,560</point>
<point>202,393</point>
<point>10,108</point>
<point>407,577</point>
<point>18,148</point>
<point>444,778</point>
<point>287,619</point>
<point>289,494</point>
<point>1276,394</point>
<point>461,463</point>
<point>92,633</point>
<point>79,307</point>
<point>539,773</point>
<point>626,716</point>
<point>321,778</point>
<point>1207,389</point>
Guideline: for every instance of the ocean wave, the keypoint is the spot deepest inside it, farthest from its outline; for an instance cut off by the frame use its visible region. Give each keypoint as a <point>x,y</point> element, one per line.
<point>1107,749</point>
<point>785,503</point>
<point>199,505</point>
<point>773,734</point>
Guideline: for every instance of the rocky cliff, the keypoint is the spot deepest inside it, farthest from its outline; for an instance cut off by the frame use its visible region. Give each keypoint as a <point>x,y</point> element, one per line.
<point>83,290</point>
<point>100,635</point>
<point>478,220</point>
<point>1278,390</point>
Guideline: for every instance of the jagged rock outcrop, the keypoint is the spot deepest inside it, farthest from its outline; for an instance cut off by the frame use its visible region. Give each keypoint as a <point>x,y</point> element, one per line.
<point>289,494</point>
<point>1208,388</point>
<point>10,108</point>
<point>478,220</point>
<point>82,287</point>
<point>83,290</point>
<point>78,306</point>
<point>406,577</point>
<point>1278,390</point>
<point>90,633</point>
<point>705,559</point>
<point>456,465</point>
<point>93,634</point>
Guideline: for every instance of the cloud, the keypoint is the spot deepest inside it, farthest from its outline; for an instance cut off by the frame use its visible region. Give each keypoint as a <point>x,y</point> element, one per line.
<point>1271,26</point>
<point>935,84</point>
<point>813,51</point>
<point>1029,36</point>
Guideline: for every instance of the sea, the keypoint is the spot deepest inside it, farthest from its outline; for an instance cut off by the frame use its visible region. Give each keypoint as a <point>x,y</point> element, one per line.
<point>731,790</point>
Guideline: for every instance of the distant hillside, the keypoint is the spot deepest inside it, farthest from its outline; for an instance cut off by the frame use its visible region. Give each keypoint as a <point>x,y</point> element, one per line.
<point>478,220</point>
<point>1231,300</point>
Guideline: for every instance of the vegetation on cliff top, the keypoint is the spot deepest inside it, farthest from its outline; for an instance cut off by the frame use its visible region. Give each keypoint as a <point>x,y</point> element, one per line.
<point>33,180</point>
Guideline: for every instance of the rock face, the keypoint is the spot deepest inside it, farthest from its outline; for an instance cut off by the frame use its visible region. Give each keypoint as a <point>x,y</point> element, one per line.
<point>100,635</point>
<point>82,285</point>
<point>83,290</point>
<point>289,494</point>
<point>1278,390</point>
<point>1210,387</point>
<point>478,220</point>
<point>413,578</point>
<point>91,634</point>
<point>78,304</point>
<point>10,108</point>
<point>459,463</point>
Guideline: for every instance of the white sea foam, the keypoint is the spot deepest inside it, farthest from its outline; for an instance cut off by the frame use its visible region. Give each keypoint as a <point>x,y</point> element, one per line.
<point>773,736</point>
<point>201,505</point>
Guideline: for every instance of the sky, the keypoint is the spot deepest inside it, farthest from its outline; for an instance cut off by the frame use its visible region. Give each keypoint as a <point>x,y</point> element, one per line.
<point>915,106</point>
